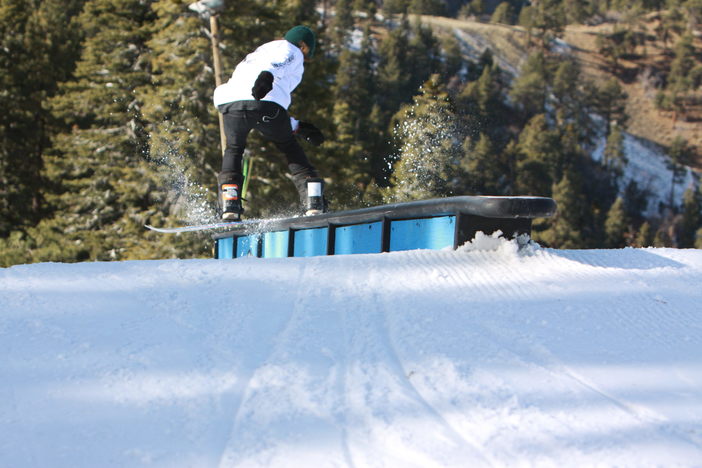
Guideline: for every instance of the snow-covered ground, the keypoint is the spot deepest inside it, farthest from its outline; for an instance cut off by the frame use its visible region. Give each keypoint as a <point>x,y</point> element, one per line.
<point>468,358</point>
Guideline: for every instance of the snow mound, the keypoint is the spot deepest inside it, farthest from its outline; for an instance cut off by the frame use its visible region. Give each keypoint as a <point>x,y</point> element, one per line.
<point>522,245</point>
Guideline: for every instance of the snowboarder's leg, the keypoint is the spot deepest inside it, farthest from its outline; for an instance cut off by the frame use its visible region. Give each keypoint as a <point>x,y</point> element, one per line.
<point>311,191</point>
<point>275,126</point>
<point>229,181</point>
<point>229,185</point>
<point>310,188</point>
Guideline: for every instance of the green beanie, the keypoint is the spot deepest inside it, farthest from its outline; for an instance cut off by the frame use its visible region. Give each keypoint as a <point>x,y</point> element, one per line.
<point>304,34</point>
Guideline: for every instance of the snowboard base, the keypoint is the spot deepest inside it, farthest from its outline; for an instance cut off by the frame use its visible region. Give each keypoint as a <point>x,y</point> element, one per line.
<point>202,227</point>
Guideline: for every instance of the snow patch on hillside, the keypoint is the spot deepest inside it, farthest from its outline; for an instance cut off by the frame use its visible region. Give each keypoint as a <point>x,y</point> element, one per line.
<point>649,167</point>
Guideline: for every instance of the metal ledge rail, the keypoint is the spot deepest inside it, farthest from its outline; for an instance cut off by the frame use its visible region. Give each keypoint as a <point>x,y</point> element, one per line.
<point>428,224</point>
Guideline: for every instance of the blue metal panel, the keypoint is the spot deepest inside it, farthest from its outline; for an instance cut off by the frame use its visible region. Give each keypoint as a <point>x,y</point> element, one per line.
<point>311,242</point>
<point>275,244</point>
<point>427,233</point>
<point>247,246</point>
<point>225,247</point>
<point>359,239</point>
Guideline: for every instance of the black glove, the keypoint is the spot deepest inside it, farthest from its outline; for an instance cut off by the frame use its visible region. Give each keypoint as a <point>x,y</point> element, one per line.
<point>310,133</point>
<point>263,85</point>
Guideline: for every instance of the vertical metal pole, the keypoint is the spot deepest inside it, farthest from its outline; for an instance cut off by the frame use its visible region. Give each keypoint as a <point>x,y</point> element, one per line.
<point>217,59</point>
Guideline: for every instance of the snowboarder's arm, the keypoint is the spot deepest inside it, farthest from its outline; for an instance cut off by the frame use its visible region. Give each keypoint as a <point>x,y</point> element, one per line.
<point>263,85</point>
<point>281,61</point>
<point>309,132</point>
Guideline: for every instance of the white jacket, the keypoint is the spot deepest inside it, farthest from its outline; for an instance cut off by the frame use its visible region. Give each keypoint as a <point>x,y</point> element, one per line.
<point>283,59</point>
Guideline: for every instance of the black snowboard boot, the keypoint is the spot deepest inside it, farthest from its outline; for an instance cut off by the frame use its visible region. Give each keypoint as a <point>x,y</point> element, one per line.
<point>311,191</point>
<point>230,195</point>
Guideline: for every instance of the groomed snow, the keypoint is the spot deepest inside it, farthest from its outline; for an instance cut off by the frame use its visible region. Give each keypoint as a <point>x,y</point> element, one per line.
<point>485,356</point>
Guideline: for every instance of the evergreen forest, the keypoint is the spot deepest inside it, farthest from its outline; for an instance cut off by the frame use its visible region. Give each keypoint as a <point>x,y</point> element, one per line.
<point>107,119</point>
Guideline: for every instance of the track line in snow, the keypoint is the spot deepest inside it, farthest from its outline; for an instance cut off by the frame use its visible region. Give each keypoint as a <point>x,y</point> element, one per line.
<point>452,275</point>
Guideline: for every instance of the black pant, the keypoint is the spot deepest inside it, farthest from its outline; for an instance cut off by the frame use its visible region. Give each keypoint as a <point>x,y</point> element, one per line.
<point>273,122</point>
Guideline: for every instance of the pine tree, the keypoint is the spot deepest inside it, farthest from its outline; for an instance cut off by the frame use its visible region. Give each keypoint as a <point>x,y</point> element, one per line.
<point>680,157</point>
<point>510,156</point>
<point>39,45</point>
<point>427,7</point>
<point>243,26</point>
<point>342,24</point>
<point>473,8</point>
<point>691,221</point>
<point>548,18</point>
<point>429,154</point>
<point>644,237</point>
<point>576,11</point>
<point>504,13</point>
<point>294,11</point>
<point>636,200</point>
<point>680,80</point>
<point>616,225</point>
<point>482,166</point>
<point>393,77</point>
<point>615,45</point>
<point>482,102</point>
<point>352,142</point>
<point>423,56</point>
<point>352,90</point>
<point>392,7</point>
<point>610,103</point>
<point>367,7</point>
<point>672,22</point>
<point>525,20</point>
<point>572,99</point>
<point>406,58</point>
<point>539,147</point>
<point>452,57</point>
<point>379,145</point>
<point>615,153</point>
<point>104,190</point>
<point>564,230</point>
<point>683,78</point>
<point>530,88</point>
<point>662,238</point>
<point>693,8</point>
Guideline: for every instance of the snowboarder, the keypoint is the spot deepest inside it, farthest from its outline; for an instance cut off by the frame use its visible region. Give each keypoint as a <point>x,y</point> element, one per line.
<point>257,96</point>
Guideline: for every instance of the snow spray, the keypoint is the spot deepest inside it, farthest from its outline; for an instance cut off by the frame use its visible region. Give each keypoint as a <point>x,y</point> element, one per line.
<point>429,152</point>
<point>187,196</point>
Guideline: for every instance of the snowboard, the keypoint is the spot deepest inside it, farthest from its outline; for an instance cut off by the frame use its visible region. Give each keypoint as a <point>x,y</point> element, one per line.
<point>202,227</point>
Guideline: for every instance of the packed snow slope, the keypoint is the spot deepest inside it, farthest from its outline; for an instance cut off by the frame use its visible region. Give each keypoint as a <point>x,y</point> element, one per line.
<point>470,358</point>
